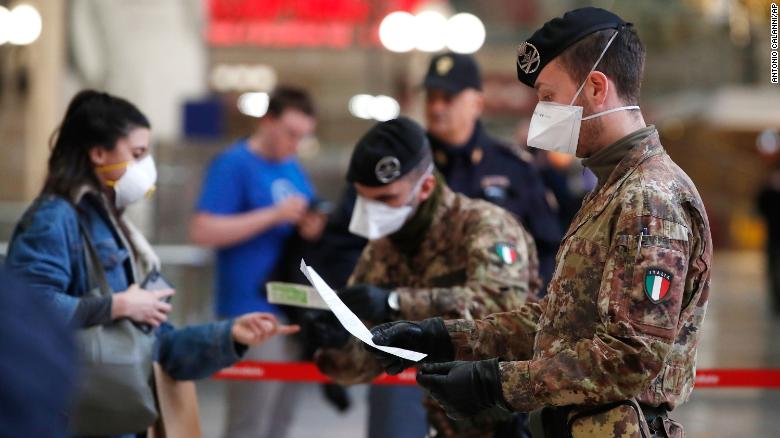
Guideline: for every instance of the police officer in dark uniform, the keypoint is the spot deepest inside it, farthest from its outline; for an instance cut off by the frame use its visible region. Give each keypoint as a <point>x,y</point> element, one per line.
<point>479,166</point>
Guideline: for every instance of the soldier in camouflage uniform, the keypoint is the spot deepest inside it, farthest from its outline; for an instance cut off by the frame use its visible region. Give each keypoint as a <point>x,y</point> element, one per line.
<point>612,347</point>
<point>452,256</point>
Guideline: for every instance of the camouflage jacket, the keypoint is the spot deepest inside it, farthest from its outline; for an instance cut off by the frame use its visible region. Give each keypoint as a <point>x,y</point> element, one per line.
<point>624,309</point>
<point>474,260</point>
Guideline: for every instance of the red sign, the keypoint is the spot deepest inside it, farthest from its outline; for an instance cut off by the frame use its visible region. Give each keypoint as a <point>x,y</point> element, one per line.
<point>334,24</point>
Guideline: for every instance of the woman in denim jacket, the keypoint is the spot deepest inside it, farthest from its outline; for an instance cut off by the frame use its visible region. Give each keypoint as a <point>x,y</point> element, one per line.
<point>101,163</point>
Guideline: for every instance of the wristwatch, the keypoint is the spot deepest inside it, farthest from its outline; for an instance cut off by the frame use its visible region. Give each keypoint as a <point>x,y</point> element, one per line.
<point>393,302</point>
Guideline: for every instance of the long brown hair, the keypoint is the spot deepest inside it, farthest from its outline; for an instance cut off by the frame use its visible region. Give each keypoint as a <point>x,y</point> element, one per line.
<point>93,119</point>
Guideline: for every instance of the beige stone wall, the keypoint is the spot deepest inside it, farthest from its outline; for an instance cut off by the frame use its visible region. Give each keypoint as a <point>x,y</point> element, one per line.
<point>30,112</point>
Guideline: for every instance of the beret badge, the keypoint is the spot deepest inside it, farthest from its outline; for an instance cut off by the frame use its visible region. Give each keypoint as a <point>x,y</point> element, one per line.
<point>528,58</point>
<point>388,169</point>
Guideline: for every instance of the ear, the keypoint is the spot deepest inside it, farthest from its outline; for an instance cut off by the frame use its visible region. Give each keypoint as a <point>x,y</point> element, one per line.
<point>427,187</point>
<point>98,156</point>
<point>479,103</point>
<point>596,89</point>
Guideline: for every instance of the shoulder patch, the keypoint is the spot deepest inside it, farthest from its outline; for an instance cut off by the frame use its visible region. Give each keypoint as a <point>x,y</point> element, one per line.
<point>506,252</point>
<point>657,284</point>
<point>495,180</point>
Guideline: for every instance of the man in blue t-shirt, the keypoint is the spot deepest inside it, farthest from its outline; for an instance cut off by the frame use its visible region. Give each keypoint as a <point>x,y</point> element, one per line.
<point>254,197</point>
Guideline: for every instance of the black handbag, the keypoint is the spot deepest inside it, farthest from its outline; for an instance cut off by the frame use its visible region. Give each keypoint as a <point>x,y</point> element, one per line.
<point>116,391</point>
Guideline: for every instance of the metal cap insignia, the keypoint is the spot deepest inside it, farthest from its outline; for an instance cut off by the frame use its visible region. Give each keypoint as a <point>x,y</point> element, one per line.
<point>388,169</point>
<point>528,58</point>
<point>444,65</point>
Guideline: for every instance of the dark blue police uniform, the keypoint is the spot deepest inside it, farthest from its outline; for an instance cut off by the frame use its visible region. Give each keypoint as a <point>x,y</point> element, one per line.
<point>488,169</point>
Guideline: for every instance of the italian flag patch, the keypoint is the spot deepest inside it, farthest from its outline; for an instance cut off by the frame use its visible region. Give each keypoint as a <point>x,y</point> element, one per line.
<point>506,253</point>
<point>657,284</point>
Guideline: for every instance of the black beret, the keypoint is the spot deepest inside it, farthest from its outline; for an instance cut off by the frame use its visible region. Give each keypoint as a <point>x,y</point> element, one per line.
<point>453,72</point>
<point>558,34</point>
<point>387,152</point>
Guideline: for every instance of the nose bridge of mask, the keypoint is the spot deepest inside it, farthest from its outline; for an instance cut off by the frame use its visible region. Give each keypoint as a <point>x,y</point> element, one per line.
<point>592,69</point>
<point>145,165</point>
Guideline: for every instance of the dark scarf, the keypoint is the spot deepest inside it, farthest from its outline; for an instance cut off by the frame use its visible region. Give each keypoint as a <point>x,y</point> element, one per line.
<point>603,162</point>
<point>408,239</point>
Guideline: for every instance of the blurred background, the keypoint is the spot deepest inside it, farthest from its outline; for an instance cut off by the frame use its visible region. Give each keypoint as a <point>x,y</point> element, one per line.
<point>201,71</point>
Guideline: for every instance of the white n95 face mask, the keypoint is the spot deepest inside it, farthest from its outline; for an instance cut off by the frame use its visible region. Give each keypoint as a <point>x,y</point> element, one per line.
<point>375,220</point>
<point>556,127</point>
<point>136,183</point>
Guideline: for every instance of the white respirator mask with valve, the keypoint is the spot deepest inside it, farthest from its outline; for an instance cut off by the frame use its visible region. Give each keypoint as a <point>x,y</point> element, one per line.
<point>137,182</point>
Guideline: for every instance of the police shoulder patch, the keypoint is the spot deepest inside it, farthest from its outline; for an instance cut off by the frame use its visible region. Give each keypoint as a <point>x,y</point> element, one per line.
<point>657,284</point>
<point>506,252</point>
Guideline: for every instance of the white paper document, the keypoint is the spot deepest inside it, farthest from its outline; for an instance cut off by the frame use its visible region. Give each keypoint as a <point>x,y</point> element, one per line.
<point>349,320</point>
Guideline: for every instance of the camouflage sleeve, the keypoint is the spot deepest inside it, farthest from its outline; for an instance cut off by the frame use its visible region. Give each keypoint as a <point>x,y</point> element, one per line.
<point>507,335</point>
<point>351,364</point>
<point>502,267</point>
<point>639,303</point>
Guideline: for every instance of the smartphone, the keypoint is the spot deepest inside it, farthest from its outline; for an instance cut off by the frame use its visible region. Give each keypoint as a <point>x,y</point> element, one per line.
<point>321,206</point>
<point>156,281</point>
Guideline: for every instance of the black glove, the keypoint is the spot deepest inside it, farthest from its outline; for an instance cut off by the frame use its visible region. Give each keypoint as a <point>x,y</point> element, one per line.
<point>428,336</point>
<point>464,389</point>
<point>367,301</point>
<point>321,329</point>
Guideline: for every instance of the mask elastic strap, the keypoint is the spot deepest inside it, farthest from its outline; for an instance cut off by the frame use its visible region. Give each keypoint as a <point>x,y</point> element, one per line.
<point>609,43</point>
<point>603,113</point>
<point>428,171</point>
<point>112,167</point>
<point>419,183</point>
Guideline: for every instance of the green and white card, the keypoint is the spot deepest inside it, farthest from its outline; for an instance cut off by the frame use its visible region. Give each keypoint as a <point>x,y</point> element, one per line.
<point>291,294</point>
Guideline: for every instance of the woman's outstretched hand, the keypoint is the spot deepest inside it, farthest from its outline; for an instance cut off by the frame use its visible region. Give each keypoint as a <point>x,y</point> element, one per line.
<point>256,328</point>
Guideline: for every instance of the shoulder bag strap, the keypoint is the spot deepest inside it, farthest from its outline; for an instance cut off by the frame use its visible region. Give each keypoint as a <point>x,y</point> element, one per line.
<point>96,276</point>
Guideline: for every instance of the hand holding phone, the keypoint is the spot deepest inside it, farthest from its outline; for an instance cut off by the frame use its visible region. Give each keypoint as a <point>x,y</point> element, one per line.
<point>156,282</point>
<point>163,291</point>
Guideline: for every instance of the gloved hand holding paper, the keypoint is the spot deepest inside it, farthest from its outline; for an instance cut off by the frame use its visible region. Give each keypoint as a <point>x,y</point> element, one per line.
<point>349,320</point>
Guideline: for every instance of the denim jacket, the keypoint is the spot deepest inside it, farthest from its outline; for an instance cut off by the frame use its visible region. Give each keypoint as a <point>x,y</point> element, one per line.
<point>47,251</point>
